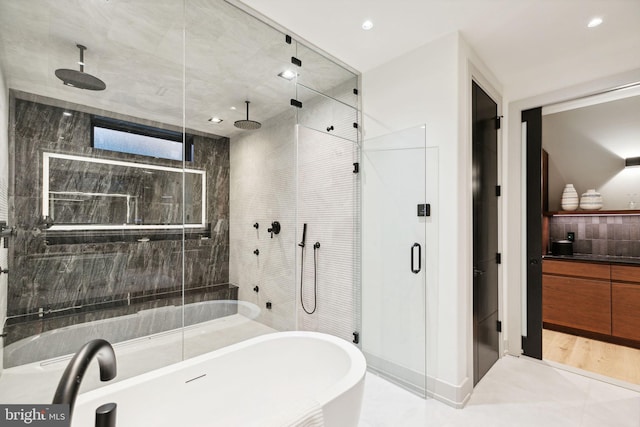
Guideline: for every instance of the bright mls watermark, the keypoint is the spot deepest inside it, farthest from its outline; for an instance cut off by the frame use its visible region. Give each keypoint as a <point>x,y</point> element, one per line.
<point>34,415</point>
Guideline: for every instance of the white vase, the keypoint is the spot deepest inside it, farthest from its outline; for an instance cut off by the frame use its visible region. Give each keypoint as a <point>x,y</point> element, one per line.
<point>569,200</point>
<point>591,200</point>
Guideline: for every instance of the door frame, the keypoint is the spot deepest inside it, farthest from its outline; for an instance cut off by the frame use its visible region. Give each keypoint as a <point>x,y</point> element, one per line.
<point>515,175</point>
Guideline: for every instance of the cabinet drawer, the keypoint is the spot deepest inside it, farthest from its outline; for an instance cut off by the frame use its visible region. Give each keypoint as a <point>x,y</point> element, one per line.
<point>625,308</point>
<point>577,303</point>
<point>625,273</point>
<point>577,269</point>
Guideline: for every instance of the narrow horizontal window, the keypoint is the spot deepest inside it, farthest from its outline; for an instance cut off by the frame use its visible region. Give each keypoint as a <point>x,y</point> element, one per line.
<point>132,138</point>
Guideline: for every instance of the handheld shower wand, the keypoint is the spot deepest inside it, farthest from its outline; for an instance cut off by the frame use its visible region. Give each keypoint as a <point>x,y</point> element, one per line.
<point>316,246</point>
<point>304,235</point>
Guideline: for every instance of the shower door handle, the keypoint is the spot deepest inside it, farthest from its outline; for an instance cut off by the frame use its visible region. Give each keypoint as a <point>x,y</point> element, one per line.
<point>413,269</point>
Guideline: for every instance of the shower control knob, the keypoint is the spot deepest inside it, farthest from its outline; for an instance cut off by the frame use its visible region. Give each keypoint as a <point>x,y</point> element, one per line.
<point>257,252</point>
<point>275,228</point>
<point>256,289</point>
<point>256,225</point>
<point>316,245</point>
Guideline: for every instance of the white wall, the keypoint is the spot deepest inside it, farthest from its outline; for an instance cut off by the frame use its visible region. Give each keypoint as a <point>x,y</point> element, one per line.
<point>432,85</point>
<point>327,203</point>
<point>472,68</point>
<point>515,223</point>
<point>587,147</point>
<point>4,213</point>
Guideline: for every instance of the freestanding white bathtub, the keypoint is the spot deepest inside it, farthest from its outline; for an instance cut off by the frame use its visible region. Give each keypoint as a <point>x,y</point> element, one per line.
<point>279,379</point>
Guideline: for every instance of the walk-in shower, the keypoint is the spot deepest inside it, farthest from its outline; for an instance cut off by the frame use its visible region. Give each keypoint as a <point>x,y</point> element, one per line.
<point>136,219</point>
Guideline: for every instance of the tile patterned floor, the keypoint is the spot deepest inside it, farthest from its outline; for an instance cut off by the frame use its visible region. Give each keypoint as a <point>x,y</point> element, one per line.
<point>516,392</point>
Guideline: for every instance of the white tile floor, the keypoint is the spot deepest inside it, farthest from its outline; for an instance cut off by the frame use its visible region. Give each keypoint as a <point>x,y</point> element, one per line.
<point>516,392</point>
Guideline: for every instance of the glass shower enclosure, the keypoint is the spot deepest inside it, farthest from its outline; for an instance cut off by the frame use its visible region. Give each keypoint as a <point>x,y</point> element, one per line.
<point>399,241</point>
<point>141,215</point>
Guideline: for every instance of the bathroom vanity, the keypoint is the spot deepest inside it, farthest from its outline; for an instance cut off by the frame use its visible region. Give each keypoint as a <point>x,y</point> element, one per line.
<point>596,295</point>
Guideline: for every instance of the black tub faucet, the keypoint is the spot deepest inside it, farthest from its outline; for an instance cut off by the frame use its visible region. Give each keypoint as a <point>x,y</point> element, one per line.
<point>69,384</point>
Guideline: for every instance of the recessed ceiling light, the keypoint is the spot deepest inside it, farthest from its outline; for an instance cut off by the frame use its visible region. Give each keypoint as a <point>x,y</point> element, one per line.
<point>594,22</point>
<point>367,25</point>
<point>215,120</point>
<point>287,74</point>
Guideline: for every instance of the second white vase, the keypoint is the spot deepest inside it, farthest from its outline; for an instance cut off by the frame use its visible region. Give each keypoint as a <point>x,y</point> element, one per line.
<point>591,200</point>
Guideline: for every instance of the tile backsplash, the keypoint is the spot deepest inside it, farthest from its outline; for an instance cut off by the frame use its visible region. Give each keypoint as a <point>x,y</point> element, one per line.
<point>599,235</point>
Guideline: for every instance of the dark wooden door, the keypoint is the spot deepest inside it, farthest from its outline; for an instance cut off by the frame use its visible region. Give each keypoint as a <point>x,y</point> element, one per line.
<point>485,232</point>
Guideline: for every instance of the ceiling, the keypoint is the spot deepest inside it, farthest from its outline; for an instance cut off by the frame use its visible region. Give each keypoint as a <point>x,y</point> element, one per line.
<point>157,56</point>
<point>532,46</point>
<point>162,59</point>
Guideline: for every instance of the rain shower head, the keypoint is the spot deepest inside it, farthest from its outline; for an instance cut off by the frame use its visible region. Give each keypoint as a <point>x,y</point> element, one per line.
<point>247,124</point>
<point>80,79</point>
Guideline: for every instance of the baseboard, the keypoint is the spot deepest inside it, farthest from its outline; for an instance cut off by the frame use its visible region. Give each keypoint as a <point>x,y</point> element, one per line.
<point>415,382</point>
<point>453,395</point>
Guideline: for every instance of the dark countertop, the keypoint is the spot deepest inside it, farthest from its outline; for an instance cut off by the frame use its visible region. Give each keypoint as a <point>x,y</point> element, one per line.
<point>608,259</point>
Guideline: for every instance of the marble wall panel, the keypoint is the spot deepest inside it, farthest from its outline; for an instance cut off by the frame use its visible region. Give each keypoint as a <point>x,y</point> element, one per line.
<point>48,279</point>
<point>116,323</point>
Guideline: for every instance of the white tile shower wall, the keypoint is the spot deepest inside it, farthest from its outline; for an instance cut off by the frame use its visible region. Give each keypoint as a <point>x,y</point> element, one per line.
<point>262,190</point>
<point>327,203</point>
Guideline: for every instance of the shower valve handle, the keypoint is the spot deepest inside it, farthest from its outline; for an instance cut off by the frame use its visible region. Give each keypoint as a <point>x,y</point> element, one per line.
<point>275,228</point>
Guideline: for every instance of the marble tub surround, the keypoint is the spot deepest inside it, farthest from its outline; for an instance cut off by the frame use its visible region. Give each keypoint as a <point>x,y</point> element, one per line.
<point>49,275</point>
<point>59,336</point>
<point>21,327</point>
<point>599,235</point>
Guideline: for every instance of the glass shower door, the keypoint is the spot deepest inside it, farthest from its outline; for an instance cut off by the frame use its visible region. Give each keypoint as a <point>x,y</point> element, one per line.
<point>397,260</point>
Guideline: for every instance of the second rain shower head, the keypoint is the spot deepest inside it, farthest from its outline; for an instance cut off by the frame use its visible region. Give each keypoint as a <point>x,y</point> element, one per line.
<point>247,124</point>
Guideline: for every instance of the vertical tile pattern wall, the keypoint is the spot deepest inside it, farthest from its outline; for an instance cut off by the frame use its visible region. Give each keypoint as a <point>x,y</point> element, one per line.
<point>263,190</point>
<point>599,235</point>
<point>60,278</point>
<point>268,182</point>
<point>328,203</point>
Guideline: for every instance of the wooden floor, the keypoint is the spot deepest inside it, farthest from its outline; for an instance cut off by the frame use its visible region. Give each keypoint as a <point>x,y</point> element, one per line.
<point>603,358</point>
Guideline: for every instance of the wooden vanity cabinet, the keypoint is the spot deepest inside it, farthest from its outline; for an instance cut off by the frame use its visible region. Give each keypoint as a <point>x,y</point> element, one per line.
<point>577,295</point>
<point>625,301</point>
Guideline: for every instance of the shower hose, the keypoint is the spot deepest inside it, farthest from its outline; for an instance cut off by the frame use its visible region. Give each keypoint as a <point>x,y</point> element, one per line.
<point>316,246</point>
